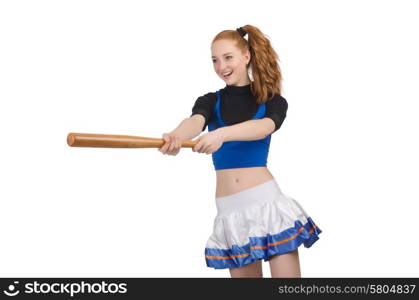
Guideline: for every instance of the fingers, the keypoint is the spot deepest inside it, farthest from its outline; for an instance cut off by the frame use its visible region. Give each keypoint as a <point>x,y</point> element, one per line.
<point>175,146</point>
<point>172,144</point>
<point>202,148</point>
<point>197,147</point>
<point>166,139</point>
<point>207,149</point>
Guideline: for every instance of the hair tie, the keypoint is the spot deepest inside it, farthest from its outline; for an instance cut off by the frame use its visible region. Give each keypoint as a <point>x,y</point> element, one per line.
<point>241,31</point>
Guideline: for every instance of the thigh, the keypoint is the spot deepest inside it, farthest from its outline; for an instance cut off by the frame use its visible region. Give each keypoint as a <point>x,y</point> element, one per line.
<point>253,270</point>
<point>285,265</point>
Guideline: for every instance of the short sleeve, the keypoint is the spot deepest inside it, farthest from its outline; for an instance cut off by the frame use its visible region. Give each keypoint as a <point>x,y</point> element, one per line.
<point>204,105</point>
<point>276,109</point>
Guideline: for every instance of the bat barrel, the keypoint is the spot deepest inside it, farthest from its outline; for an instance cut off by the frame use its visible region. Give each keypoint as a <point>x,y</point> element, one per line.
<point>117,141</point>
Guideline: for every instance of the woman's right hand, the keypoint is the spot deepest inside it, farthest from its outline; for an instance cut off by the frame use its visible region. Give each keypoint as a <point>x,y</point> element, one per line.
<point>172,144</point>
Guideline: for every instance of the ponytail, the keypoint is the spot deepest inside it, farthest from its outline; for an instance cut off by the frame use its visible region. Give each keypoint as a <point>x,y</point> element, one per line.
<point>263,65</point>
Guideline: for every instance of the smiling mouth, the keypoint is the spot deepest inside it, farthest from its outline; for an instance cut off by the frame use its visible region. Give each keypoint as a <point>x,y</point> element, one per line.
<point>227,76</point>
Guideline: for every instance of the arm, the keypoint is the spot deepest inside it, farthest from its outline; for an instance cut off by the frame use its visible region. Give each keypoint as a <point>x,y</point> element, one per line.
<point>248,130</point>
<point>189,127</point>
<point>276,110</point>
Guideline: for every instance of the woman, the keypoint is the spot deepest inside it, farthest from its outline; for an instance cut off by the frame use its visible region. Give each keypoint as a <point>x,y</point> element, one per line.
<point>255,220</point>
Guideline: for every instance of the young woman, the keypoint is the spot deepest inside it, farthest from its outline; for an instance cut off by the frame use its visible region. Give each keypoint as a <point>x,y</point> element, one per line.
<point>255,220</point>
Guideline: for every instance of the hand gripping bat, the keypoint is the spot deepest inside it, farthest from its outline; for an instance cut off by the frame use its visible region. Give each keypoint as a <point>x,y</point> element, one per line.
<point>117,141</point>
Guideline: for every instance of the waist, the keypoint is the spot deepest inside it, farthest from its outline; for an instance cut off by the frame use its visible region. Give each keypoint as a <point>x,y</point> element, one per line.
<point>267,191</point>
<point>230,181</point>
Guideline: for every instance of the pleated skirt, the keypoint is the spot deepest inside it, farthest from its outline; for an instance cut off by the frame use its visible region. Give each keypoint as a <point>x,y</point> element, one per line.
<point>255,224</point>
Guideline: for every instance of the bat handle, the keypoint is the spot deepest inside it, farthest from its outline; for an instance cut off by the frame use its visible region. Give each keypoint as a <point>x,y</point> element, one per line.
<point>188,144</point>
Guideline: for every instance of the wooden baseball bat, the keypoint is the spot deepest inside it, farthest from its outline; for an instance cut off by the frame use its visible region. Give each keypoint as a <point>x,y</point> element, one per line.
<point>117,141</point>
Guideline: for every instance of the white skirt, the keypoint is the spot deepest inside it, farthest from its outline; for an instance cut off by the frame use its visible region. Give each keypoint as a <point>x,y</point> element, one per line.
<point>255,224</point>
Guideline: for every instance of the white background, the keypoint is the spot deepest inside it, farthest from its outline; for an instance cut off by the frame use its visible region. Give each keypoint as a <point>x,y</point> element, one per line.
<point>347,151</point>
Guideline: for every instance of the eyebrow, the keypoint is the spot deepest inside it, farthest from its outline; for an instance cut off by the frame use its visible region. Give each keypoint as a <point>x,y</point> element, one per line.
<point>224,54</point>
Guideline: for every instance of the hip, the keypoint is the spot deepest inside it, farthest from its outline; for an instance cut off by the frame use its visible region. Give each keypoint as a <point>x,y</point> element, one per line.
<point>255,196</point>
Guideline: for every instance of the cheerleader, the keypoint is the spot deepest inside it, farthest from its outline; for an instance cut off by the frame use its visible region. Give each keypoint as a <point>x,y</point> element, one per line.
<point>255,220</point>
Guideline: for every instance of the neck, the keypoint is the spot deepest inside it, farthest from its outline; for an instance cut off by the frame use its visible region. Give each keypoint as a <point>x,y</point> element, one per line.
<point>241,83</point>
<point>238,89</point>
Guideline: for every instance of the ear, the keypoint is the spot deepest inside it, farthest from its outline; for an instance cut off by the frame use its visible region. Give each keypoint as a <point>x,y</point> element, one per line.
<point>247,56</point>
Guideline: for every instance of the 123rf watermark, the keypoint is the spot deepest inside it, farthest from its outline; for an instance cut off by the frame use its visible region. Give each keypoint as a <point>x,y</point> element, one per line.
<point>70,289</point>
<point>368,289</point>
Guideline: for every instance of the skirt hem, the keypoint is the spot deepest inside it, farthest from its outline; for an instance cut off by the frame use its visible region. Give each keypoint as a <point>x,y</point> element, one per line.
<point>264,247</point>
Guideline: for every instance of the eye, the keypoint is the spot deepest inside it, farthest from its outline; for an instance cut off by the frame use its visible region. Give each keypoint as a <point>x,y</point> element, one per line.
<point>229,56</point>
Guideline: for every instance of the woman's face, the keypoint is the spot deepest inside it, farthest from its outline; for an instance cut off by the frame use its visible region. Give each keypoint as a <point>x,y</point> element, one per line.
<point>227,59</point>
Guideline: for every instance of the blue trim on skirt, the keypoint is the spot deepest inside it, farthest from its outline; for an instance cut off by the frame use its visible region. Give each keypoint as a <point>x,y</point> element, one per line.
<point>263,247</point>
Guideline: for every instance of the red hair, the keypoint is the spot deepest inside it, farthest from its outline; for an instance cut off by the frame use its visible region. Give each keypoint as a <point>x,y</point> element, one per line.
<point>266,72</point>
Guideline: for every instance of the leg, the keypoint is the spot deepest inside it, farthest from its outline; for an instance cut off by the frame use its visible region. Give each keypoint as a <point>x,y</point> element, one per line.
<point>285,265</point>
<point>250,270</point>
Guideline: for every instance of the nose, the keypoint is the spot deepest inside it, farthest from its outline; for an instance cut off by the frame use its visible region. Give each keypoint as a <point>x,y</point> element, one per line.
<point>222,67</point>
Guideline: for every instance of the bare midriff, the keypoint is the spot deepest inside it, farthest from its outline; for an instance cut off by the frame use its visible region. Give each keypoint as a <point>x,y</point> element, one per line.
<point>231,181</point>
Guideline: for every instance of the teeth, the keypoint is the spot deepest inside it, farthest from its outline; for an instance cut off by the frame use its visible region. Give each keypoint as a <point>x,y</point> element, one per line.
<point>225,74</point>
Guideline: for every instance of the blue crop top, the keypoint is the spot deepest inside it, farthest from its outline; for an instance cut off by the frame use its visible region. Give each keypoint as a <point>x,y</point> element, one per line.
<point>239,154</point>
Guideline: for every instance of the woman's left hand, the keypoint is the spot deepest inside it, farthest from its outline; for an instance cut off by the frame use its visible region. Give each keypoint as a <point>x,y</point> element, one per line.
<point>209,142</point>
